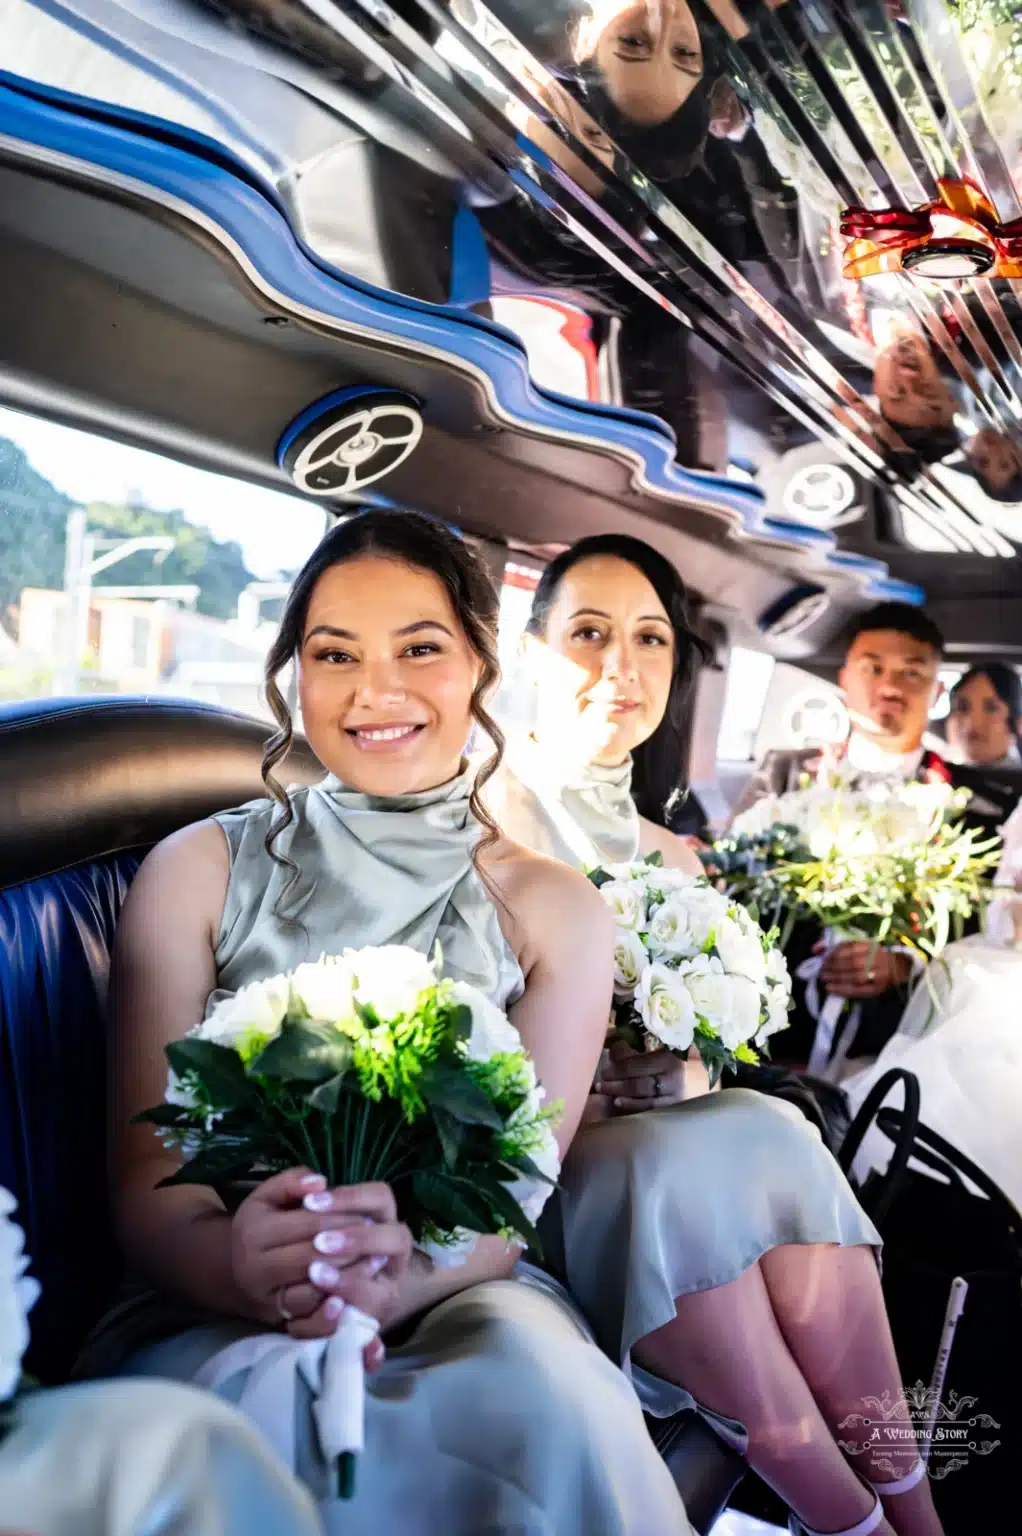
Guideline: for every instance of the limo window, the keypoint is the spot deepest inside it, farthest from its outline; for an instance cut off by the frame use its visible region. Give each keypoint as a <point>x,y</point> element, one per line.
<point>126,572</point>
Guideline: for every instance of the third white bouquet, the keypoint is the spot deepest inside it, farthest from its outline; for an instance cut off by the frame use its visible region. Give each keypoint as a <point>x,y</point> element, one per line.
<point>691,966</point>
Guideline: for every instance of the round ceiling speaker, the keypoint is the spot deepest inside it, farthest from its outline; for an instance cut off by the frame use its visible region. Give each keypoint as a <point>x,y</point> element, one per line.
<point>815,718</point>
<point>948,260</point>
<point>794,612</point>
<point>350,439</point>
<point>822,495</point>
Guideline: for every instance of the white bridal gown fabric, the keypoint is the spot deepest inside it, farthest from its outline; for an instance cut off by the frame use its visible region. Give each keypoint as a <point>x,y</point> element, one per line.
<point>143,1458</point>
<point>961,1035</point>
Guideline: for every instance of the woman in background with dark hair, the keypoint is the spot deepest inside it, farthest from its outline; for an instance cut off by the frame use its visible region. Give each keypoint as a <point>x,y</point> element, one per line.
<point>986,716</point>
<point>713,1244</point>
<point>983,727</point>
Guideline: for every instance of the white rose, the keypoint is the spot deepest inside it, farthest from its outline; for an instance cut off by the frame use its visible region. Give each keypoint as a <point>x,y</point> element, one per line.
<point>777,968</point>
<point>630,958</point>
<point>633,871</point>
<point>533,1194</point>
<point>325,989</point>
<point>453,1251</point>
<point>18,1295</point>
<point>662,884</point>
<point>665,1006</point>
<point>729,1005</point>
<point>256,1012</point>
<point>707,909</point>
<point>777,1001</point>
<point>492,1030</point>
<point>390,979</point>
<point>627,900</point>
<point>741,951</point>
<point>670,930</point>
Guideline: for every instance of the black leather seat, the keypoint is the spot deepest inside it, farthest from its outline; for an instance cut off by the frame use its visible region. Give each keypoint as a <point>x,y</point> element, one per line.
<point>87,786</point>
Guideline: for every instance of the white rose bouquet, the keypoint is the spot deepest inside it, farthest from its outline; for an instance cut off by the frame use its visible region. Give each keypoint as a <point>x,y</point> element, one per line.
<point>18,1295</point>
<point>369,1066</point>
<point>691,966</point>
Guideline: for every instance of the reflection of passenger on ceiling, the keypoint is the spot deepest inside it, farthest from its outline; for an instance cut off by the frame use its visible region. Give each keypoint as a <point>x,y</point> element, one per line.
<point>996,463</point>
<point>913,397</point>
<point>659,90</point>
<point>639,78</point>
<point>648,55</point>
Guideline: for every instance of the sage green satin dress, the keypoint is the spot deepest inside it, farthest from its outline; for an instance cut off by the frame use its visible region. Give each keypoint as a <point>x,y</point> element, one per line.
<point>658,1205</point>
<point>499,1415</point>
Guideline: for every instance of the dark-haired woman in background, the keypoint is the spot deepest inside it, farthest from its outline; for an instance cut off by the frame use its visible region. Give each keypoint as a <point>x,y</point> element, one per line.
<point>986,716</point>
<point>983,733</point>
<point>710,1238</point>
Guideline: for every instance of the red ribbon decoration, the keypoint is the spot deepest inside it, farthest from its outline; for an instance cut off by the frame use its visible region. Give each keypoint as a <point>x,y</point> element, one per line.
<point>879,238</point>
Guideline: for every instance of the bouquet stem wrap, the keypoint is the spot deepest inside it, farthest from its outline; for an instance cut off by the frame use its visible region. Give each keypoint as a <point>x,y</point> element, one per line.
<point>331,1368</point>
<point>826,1058</point>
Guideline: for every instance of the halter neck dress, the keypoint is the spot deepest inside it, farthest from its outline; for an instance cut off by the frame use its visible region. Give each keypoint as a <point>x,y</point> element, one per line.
<point>665,1203</point>
<point>498,1413</point>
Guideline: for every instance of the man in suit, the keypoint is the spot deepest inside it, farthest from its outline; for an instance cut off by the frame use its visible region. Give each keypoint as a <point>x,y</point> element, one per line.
<point>890,684</point>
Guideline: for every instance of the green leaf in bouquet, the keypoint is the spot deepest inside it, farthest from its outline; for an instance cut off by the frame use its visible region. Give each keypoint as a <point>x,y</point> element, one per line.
<point>522,1163</point>
<point>746,1054</point>
<point>451,1132</point>
<point>164,1115</point>
<point>654,859</point>
<point>451,1088</point>
<point>476,1200</point>
<point>304,1053</point>
<point>599,877</point>
<point>504,1203</point>
<point>212,1166</point>
<point>326,1096</point>
<point>460,1021</point>
<point>451,1201</point>
<point>220,1070</point>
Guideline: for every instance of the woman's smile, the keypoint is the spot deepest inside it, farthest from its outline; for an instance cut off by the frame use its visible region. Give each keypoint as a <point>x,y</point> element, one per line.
<point>384,738</point>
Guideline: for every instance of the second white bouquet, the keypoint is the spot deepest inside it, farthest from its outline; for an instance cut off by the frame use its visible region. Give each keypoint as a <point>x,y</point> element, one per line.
<point>691,966</point>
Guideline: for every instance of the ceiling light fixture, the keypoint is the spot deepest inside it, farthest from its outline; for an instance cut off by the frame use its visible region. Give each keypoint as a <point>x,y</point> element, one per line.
<point>955,237</point>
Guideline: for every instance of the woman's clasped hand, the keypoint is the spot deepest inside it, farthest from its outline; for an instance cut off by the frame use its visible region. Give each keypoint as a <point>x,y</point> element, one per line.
<point>630,1081</point>
<point>302,1252</point>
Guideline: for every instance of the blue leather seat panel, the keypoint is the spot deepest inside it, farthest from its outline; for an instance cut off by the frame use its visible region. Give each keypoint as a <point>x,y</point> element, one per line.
<point>55,939</point>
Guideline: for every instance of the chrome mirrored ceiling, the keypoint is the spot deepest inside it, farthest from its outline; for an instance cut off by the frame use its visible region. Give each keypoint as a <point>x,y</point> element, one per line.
<point>652,194</point>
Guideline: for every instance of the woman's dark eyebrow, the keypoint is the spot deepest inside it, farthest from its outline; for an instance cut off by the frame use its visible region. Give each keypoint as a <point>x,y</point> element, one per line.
<point>413,629</point>
<point>349,634</point>
<point>598,613</point>
<point>330,629</point>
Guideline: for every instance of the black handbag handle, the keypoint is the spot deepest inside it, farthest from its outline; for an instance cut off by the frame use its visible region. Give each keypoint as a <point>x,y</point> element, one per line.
<point>884,1188</point>
<point>952,1164</point>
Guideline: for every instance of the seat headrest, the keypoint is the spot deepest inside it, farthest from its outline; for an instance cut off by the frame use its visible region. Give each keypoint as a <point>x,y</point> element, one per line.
<point>83,778</point>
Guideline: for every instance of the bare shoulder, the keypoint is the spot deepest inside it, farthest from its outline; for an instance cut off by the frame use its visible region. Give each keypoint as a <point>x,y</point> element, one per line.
<point>546,905</point>
<point>182,880</point>
<point>676,854</point>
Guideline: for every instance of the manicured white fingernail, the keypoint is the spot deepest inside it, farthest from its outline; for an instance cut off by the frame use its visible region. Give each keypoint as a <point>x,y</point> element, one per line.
<point>330,1242</point>
<point>377,1263</point>
<point>333,1307</point>
<point>324,1275</point>
<point>321,1202</point>
<point>314,1181</point>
